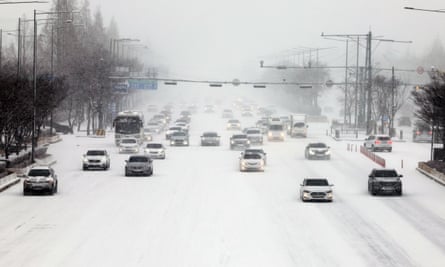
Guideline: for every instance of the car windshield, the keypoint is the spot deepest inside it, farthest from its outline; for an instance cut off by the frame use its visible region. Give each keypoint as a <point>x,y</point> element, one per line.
<point>37,172</point>
<point>128,141</point>
<point>234,121</point>
<point>95,153</point>
<point>253,132</point>
<point>385,173</point>
<point>178,134</point>
<point>299,124</point>
<point>254,151</point>
<point>252,156</point>
<point>239,136</point>
<point>384,138</point>
<point>175,128</point>
<point>317,182</point>
<point>138,159</point>
<point>317,145</point>
<point>210,135</point>
<point>276,127</point>
<point>154,145</point>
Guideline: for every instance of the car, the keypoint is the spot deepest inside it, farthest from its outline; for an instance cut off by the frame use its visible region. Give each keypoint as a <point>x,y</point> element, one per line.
<point>384,180</point>
<point>155,150</point>
<point>251,162</point>
<point>317,151</point>
<point>129,145</point>
<point>154,127</point>
<point>185,126</point>
<point>256,151</point>
<point>276,132</point>
<point>246,113</point>
<point>209,108</point>
<point>378,143</point>
<point>147,135</point>
<point>299,129</point>
<point>210,139</point>
<point>233,124</point>
<point>40,178</point>
<point>316,189</point>
<point>227,113</point>
<point>171,130</point>
<point>422,132</point>
<point>96,158</point>
<point>186,114</point>
<point>255,135</point>
<point>152,108</point>
<point>239,141</point>
<point>139,165</point>
<point>179,138</point>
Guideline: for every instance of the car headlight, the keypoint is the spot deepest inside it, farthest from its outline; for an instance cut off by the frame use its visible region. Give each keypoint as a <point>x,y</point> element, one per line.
<point>172,142</point>
<point>49,179</point>
<point>269,134</point>
<point>311,152</point>
<point>232,142</point>
<point>248,142</point>
<point>328,152</point>
<point>85,160</point>
<point>185,142</point>
<point>282,134</point>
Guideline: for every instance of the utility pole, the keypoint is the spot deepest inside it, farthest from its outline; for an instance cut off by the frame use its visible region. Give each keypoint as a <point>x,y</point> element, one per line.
<point>346,82</point>
<point>19,41</point>
<point>1,42</point>
<point>369,84</point>
<point>356,83</point>
<point>393,108</point>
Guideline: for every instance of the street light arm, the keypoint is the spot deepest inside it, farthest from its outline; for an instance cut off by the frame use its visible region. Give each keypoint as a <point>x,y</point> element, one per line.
<point>24,2</point>
<point>426,10</point>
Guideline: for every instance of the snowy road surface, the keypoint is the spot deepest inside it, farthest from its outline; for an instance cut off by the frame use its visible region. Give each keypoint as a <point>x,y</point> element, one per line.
<point>199,210</point>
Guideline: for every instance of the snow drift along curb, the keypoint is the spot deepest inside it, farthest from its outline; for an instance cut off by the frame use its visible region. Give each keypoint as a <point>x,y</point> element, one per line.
<point>8,181</point>
<point>431,173</point>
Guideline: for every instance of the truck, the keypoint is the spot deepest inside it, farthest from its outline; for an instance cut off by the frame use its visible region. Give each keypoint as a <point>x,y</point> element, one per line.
<point>298,125</point>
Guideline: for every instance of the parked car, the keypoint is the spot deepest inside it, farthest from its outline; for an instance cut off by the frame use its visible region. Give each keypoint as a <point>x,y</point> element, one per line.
<point>42,179</point>
<point>259,151</point>
<point>317,151</point>
<point>384,181</point>
<point>210,139</point>
<point>316,189</point>
<point>155,150</point>
<point>378,143</point>
<point>129,145</point>
<point>255,135</point>
<point>239,141</point>
<point>179,138</point>
<point>276,132</point>
<point>233,124</point>
<point>96,158</point>
<point>251,162</point>
<point>139,165</point>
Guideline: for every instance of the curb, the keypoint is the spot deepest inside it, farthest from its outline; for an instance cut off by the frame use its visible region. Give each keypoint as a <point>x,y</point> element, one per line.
<point>432,177</point>
<point>13,180</point>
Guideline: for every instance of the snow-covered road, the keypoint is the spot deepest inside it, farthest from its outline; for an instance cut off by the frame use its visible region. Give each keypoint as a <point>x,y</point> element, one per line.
<point>199,210</point>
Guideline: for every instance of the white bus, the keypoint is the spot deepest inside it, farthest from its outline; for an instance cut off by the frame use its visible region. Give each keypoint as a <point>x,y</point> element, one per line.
<point>129,124</point>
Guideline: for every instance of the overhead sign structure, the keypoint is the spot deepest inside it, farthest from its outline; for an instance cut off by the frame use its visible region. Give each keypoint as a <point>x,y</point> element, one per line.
<point>142,84</point>
<point>120,87</point>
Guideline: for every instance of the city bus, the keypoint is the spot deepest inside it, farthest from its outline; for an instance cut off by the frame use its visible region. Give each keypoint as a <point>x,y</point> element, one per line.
<point>129,124</point>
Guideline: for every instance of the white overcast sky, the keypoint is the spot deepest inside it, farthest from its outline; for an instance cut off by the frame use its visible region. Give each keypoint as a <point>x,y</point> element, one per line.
<point>226,39</point>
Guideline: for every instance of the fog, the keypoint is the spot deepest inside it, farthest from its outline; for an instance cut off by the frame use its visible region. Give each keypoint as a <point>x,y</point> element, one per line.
<point>201,39</point>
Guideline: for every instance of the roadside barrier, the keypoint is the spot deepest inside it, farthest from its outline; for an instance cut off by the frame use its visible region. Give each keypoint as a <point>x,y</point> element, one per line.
<point>371,155</point>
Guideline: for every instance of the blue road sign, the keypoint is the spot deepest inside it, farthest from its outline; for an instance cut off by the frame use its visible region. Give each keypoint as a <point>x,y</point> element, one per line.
<point>143,84</point>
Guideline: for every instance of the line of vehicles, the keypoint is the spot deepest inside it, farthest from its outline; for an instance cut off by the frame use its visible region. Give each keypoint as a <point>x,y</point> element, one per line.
<point>130,134</point>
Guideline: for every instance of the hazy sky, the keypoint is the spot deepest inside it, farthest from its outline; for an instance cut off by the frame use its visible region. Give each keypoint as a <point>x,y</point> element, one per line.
<point>225,39</point>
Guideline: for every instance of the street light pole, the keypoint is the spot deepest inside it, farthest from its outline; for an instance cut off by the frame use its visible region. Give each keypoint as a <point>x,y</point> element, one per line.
<point>34,77</point>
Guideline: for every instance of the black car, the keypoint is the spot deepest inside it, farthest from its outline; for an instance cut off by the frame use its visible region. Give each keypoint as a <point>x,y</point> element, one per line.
<point>384,181</point>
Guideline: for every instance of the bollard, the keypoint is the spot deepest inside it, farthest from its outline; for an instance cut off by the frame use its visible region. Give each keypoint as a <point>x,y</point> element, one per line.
<point>401,163</point>
<point>348,147</point>
<point>401,134</point>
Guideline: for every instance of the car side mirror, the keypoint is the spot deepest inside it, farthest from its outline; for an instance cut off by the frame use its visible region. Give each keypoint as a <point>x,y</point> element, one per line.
<point>400,175</point>
<point>301,184</point>
<point>126,161</point>
<point>370,176</point>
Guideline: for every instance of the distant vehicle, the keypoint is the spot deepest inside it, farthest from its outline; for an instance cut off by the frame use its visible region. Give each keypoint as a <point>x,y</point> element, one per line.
<point>251,162</point>
<point>139,165</point>
<point>378,143</point>
<point>129,124</point>
<point>298,126</point>
<point>179,138</point>
<point>316,189</point>
<point>405,121</point>
<point>171,130</point>
<point>129,145</point>
<point>422,132</point>
<point>227,113</point>
<point>60,128</point>
<point>384,181</point>
<point>40,178</point>
<point>147,135</point>
<point>160,118</point>
<point>239,141</point>
<point>153,127</point>
<point>259,151</point>
<point>263,125</point>
<point>186,114</point>
<point>246,113</point>
<point>317,151</point>
<point>152,108</point>
<point>233,124</point>
<point>210,139</point>
<point>98,158</point>
<point>276,132</point>
<point>185,126</point>
<point>255,135</point>
<point>209,109</point>
<point>155,150</point>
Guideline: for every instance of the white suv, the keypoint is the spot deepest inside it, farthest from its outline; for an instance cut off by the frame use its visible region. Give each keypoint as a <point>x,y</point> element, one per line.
<point>378,142</point>
<point>97,158</point>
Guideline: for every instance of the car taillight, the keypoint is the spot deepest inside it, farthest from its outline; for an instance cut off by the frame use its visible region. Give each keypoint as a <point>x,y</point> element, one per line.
<point>418,133</point>
<point>377,142</point>
<point>430,133</point>
<point>389,142</point>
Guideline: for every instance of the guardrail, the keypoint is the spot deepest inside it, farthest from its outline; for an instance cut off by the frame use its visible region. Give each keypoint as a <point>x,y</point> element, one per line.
<point>371,155</point>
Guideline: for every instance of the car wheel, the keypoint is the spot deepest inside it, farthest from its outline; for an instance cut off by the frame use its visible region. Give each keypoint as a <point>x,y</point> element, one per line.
<point>328,157</point>
<point>373,149</point>
<point>399,192</point>
<point>390,150</point>
<point>85,168</point>
<point>373,192</point>
<point>127,174</point>
<point>56,188</point>
<point>25,192</point>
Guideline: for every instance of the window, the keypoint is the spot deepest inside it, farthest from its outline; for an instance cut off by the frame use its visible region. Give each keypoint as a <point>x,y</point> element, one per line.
<point>96,153</point>
<point>317,182</point>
